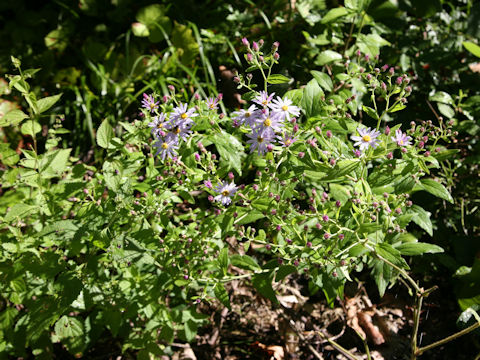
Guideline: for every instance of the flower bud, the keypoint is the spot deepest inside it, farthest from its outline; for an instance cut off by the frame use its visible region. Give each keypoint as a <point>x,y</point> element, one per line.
<point>245,42</point>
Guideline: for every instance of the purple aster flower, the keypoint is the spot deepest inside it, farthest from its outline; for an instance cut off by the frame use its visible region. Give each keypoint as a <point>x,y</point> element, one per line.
<point>149,103</point>
<point>367,138</point>
<point>226,191</point>
<point>263,99</point>
<point>401,138</point>
<point>212,103</point>
<point>182,132</point>
<point>247,117</point>
<point>286,140</point>
<point>285,108</point>
<point>259,140</point>
<point>166,148</point>
<point>269,121</point>
<point>158,124</point>
<point>181,116</point>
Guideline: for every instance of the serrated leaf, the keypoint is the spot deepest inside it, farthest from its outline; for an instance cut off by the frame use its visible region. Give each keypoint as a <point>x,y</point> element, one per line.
<point>418,248</point>
<point>19,210</point>
<point>277,79</point>
<point>46,103</point>
<point>68,326</point>
<point>104,134</point>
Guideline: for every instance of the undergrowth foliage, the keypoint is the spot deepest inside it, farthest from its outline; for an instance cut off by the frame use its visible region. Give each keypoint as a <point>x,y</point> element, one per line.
<point>315,179</point>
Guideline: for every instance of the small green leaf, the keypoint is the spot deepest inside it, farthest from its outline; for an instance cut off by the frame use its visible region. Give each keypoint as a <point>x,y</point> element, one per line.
<point>397,107</point>
<point>418,248</point>
<point>326,57</point>
<point>47,102</point>
<point>13,118</point>
<point>277,79</point>
<point>334,14</point>
<point>104,134</point>
<point>222,295</point>
<point>370,112</point>
<point>263,283</point>
<point>446,110</point>
<point>442,97</point>
<point>473,48</point>
<point>223,260</point>
<point>31,128</point>
<point>68,326</point>
<point>140,30</point>
<point>323,80</point>
<point>244,262</point>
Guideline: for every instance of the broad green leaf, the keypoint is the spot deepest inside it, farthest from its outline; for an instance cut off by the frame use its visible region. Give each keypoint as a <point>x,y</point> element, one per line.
<point>334,14</point>
<point>418,248</point>
<point>284,271</point>
<point>249,217</point>
<point>323,80</point>
<point>13,118</point>
<point>68,326</point>
<point>57,39</point>
<point>422,219</point>
<point>435,188</point>
<point>19,210</point>
<point>343,167</point>
<point>370,112</point>
<point>388,252</point>
<point>244,262</point>
<point>47,102</point>
<point>326,57</point>
<point>185,43</point>
<point>263,283</point>
<point>104,134</point>
<point>473,48</point>
<point>230,149</point>
<point>397,107</point>
<point>446,110</point>
<point>222,295</point>
<point>311,99</point>
<point>55,163</point>
<point>442,97</point>
<point>8,156</point>
<point>277,79</point>
<point>151,14</point>
<point>31,128</point>
<point>223,260</point>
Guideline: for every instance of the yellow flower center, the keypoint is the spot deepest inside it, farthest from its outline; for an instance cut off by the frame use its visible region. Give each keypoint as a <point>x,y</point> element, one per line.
<point>160,125</point>
<point>259,139</point>
<point>152,105</point>
<point>225,192</point>
<point>184,116</point>
<point>267,122</point>
<point>177,130</point>
<point>366,138</point>
<point>212,106</point>
<point>164,146</point>
<point>284,107</point>
<point>264,102</point>
<point>400,142</point>
<point>288,142</point>
<point>247,114</point>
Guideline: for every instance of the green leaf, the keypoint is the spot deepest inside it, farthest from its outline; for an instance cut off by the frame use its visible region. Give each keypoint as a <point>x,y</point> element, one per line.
<point>8,156</point>
<point>191,328</point>
<point>312,99</point>
<point>151,14</point>
<point>277,79</point>
<point>31,128</point>
<point>284,271</point>
<point>422,219</point>
<point>418,248</point>
<point>251,216</point>
<point>326,57</point>
<point>263,283</point>
<point>244,262</point>
<point>230,149</point>
<point>104,134</point>
<point>343,167</point>
<point>13,117</point>
<point>68,326</point>
<point>334,14</point>
<point>435,188</point>
<point>222,295</point>
<point>397,107</point>
<point>370,112</point>
<point>54,163</point>
<point>446,110</point>
<point>388,252</point>
<point>186,45</point>
<point>442,97</point>
<point>140,30</point>
<point>19,210</point>
<point>473,48</point>
<point>47,102</point>
<point>323,79</point>
<point>57,39</point>
<point>223,260</point>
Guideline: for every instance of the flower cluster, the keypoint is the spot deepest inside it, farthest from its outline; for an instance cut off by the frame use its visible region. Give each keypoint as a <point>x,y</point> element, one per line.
<point>267,121</point>
<point>369,138</point>
<point>169,129</point>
